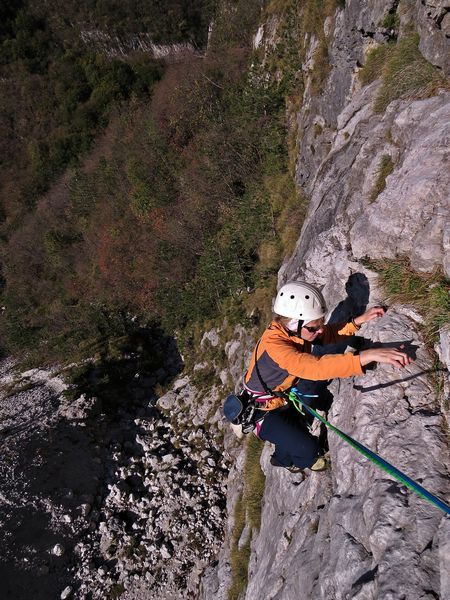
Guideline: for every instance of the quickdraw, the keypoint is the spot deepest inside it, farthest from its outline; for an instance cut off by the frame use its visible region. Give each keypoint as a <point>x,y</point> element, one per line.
<point>295,396</point>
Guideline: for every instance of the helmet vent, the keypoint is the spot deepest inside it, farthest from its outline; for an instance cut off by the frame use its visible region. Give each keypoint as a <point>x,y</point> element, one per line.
<point>292,297</point>
<point>307,297</point>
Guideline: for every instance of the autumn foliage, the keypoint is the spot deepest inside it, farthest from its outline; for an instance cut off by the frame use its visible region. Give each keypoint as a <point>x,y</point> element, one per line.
<point>157,212</point>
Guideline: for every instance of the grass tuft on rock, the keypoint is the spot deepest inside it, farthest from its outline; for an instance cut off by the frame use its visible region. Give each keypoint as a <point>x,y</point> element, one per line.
<point>408,75</point>
<point>375,60</point>
<point>116,591</point>
<point>385,168</point>
<point>429,293</point>
<point>247,513</point>
<point>255,481</point>
<point>239,556</point>
<point>405,73</point>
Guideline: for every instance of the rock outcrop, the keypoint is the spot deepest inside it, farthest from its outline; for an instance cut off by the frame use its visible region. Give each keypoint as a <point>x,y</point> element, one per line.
<point>115,45</point>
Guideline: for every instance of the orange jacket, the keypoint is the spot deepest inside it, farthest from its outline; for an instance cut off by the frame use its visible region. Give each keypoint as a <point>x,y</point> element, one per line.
<point>283,358</point>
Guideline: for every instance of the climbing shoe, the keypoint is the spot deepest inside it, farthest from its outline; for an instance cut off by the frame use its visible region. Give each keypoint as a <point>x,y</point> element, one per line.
<point>292,469</point>
<point>321,464</point>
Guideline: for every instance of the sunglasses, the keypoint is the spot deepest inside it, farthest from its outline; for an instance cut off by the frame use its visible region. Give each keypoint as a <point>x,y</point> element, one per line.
<point>313,329</point>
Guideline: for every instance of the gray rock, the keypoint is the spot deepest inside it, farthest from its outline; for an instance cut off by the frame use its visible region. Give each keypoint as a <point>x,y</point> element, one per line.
<point>443,348</point>
<point>168,401</point>
<point>410,215</point>
<point>211,337</point>
<point>432,19</point>
<point>66,593</point>
<point>446,246</point>
<point>244,538</point>
<point>179,384</point>
<point>165,552</point>
<point>58,550</point>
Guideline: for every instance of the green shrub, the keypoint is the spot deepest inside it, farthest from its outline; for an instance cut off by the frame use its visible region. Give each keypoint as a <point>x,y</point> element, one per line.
<point>390,21</point>
<point>429,293</point>
<point>115,591</point>
<point>62,96</point>
<point>300,21</point>
<point>188,191</point>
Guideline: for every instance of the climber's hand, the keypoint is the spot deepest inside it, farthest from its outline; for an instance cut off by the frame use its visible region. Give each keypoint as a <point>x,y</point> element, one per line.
<point>373,313</point>
<point>391,356</point>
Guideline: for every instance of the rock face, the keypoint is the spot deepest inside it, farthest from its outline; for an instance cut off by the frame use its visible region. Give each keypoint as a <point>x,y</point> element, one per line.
<point>402,219</point>
<point>353,532</point>
<point>114,45</point>
<point>433,21</point>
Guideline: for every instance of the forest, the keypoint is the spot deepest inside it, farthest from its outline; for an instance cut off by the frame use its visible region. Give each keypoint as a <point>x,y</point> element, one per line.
<point>135,190</point>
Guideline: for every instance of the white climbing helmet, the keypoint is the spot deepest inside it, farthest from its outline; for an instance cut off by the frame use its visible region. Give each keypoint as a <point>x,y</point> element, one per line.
<point>299,300</point>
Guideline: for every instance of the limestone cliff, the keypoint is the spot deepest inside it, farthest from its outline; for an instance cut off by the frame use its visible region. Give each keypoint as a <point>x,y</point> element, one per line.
<point>101,501</point>
<point>353,532</point>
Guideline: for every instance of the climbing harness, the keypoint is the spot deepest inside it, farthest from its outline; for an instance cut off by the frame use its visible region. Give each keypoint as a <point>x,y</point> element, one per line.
<point>295,396</point>
<point>248,408</point>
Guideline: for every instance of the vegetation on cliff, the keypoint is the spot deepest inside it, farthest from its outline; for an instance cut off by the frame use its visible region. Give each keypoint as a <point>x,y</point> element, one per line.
<point>247,517</point>
<point>180,197</point>
<point>405,74</point>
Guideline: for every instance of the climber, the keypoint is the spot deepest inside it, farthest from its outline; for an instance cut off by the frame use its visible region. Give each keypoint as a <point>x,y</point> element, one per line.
<point>283,357</point>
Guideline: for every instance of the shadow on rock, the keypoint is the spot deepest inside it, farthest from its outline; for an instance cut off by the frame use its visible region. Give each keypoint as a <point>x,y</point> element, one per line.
<point>379,386</point>
<point>55,469</point>
<point>406,346</point>
<point>358,290</point>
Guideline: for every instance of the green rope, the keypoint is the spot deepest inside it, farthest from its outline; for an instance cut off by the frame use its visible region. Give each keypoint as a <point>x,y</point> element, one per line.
<point>294,397</point>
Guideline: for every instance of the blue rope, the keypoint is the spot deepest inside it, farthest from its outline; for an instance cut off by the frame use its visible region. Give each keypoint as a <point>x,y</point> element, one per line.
<point>295,397</point>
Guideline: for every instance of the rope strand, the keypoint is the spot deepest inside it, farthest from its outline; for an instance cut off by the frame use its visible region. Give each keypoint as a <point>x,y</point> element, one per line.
<point>294,396</point>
